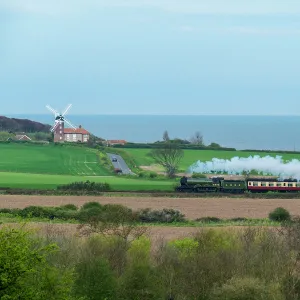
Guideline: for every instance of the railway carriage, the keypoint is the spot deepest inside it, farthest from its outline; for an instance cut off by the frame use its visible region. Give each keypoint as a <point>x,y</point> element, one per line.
<point>266,185</point>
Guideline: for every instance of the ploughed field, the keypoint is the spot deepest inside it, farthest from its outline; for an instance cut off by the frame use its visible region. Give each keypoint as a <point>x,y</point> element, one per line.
<point>142,158</point>
<point>49,159</point>
<point>192,208</point>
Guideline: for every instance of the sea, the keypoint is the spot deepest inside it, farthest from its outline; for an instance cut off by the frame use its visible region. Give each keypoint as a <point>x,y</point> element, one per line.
<point>240,132</point>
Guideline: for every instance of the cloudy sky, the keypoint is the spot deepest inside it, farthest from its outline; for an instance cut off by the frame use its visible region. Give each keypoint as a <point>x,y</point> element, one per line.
<point>150,56</point>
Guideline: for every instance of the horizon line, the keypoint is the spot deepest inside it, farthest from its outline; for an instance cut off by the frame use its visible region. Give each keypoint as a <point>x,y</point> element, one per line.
<point>119,114</point>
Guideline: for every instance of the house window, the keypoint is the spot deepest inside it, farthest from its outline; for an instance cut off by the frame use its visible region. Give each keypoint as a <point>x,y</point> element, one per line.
<point>68,136</point>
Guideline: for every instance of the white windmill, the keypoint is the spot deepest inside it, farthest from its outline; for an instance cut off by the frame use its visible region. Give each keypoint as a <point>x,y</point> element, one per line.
<point>60,119</point>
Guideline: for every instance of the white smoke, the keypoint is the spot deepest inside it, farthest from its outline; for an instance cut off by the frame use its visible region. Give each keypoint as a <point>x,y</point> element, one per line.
<point>238,165</point>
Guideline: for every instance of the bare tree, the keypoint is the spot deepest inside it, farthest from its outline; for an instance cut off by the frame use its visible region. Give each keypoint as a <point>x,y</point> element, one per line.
<point>168,156</point>
<point>116,220</point>
<point>166,137</point>
<point>197,139</point>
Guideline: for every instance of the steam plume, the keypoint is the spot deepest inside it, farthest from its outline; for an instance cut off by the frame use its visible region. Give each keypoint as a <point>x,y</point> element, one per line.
<point>237,165</point>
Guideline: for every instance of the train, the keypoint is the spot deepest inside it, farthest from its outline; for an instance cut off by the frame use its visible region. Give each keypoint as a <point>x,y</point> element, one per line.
<point>221,185</point>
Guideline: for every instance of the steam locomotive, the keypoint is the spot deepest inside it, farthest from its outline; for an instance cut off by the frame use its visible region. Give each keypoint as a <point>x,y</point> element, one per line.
<point>221,185</point>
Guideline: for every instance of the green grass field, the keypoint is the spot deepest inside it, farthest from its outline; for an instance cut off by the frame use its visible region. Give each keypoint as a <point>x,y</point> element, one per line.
<point>142,158</point>
<point>45,181</point>
<point>49,159</point>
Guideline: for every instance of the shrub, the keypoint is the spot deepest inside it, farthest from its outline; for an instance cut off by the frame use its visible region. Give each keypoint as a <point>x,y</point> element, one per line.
<point>160,216</point>
<point>69,207</point>
<point>152,175</point>
<point>89,214</point>
<point>89,205</point>
<point>209,220</point>
<point>95,280</point>
<point>142,174</point>
<point>186,247</point>
<point>64,214</point>
<point>36,212</point>
<point>279,214</point>
<point>238,219</point>
<point>117,213</point>
<point>5,210</point>
<point>85,186</point>
<point>247,289</point>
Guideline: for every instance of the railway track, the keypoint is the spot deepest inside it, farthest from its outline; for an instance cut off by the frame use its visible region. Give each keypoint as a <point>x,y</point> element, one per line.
<point>169,194</point>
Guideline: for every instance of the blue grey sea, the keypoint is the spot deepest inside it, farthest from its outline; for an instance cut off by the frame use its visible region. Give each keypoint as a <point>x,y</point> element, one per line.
<point>241,132</point>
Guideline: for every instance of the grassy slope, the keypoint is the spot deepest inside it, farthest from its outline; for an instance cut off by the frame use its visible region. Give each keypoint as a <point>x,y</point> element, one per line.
<point>44,181</point>
<point>49,159</point>
<point>192,156</point>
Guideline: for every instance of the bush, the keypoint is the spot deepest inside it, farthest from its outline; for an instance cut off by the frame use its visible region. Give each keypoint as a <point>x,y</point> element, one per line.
<point>95,280</point>
<point>160,216</point>
<point>85,186</point>
<point>69,207</point>
<point>117,213</point>
<point>142,174</point>
<point>89,205</point>
<point>209,220</point>
<point>89,214</point>
<point>239,219</point>
<point>36,212</point>
<point>279,214</point>
<point>247,289</point>
<point>152,175</point>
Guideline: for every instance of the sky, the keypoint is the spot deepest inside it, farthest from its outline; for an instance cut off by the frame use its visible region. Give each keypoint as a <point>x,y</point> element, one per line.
<point>209,57</point>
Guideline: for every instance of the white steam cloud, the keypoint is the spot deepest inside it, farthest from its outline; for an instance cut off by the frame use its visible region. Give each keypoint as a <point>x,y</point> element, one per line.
<point>237,165</point>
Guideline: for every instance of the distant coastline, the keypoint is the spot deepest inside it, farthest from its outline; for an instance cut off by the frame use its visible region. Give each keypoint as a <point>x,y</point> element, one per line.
<point>240,132</point>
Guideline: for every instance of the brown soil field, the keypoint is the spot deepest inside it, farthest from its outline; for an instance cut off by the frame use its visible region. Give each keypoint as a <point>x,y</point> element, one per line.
<point>192,208</point>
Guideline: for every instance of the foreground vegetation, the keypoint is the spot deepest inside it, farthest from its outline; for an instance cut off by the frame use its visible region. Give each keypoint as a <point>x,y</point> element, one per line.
<point>98,263</point>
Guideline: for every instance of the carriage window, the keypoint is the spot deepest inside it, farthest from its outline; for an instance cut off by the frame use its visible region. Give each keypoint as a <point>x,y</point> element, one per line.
<point>271,184</point>
<point>263,184</point>
<point>290,184</point>
<point>249,183</point>
<point>278,184</point>
<point>255,183</point>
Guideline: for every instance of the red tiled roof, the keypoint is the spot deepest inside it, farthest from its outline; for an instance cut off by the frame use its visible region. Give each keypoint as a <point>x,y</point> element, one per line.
<point>116,141</point>
<point>77,130</point>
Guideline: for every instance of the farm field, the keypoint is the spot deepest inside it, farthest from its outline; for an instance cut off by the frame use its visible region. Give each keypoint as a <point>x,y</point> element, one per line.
<point>45,181</point>
<point>192,208</point>
<point>49,159</point>
<point>142,158</point>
